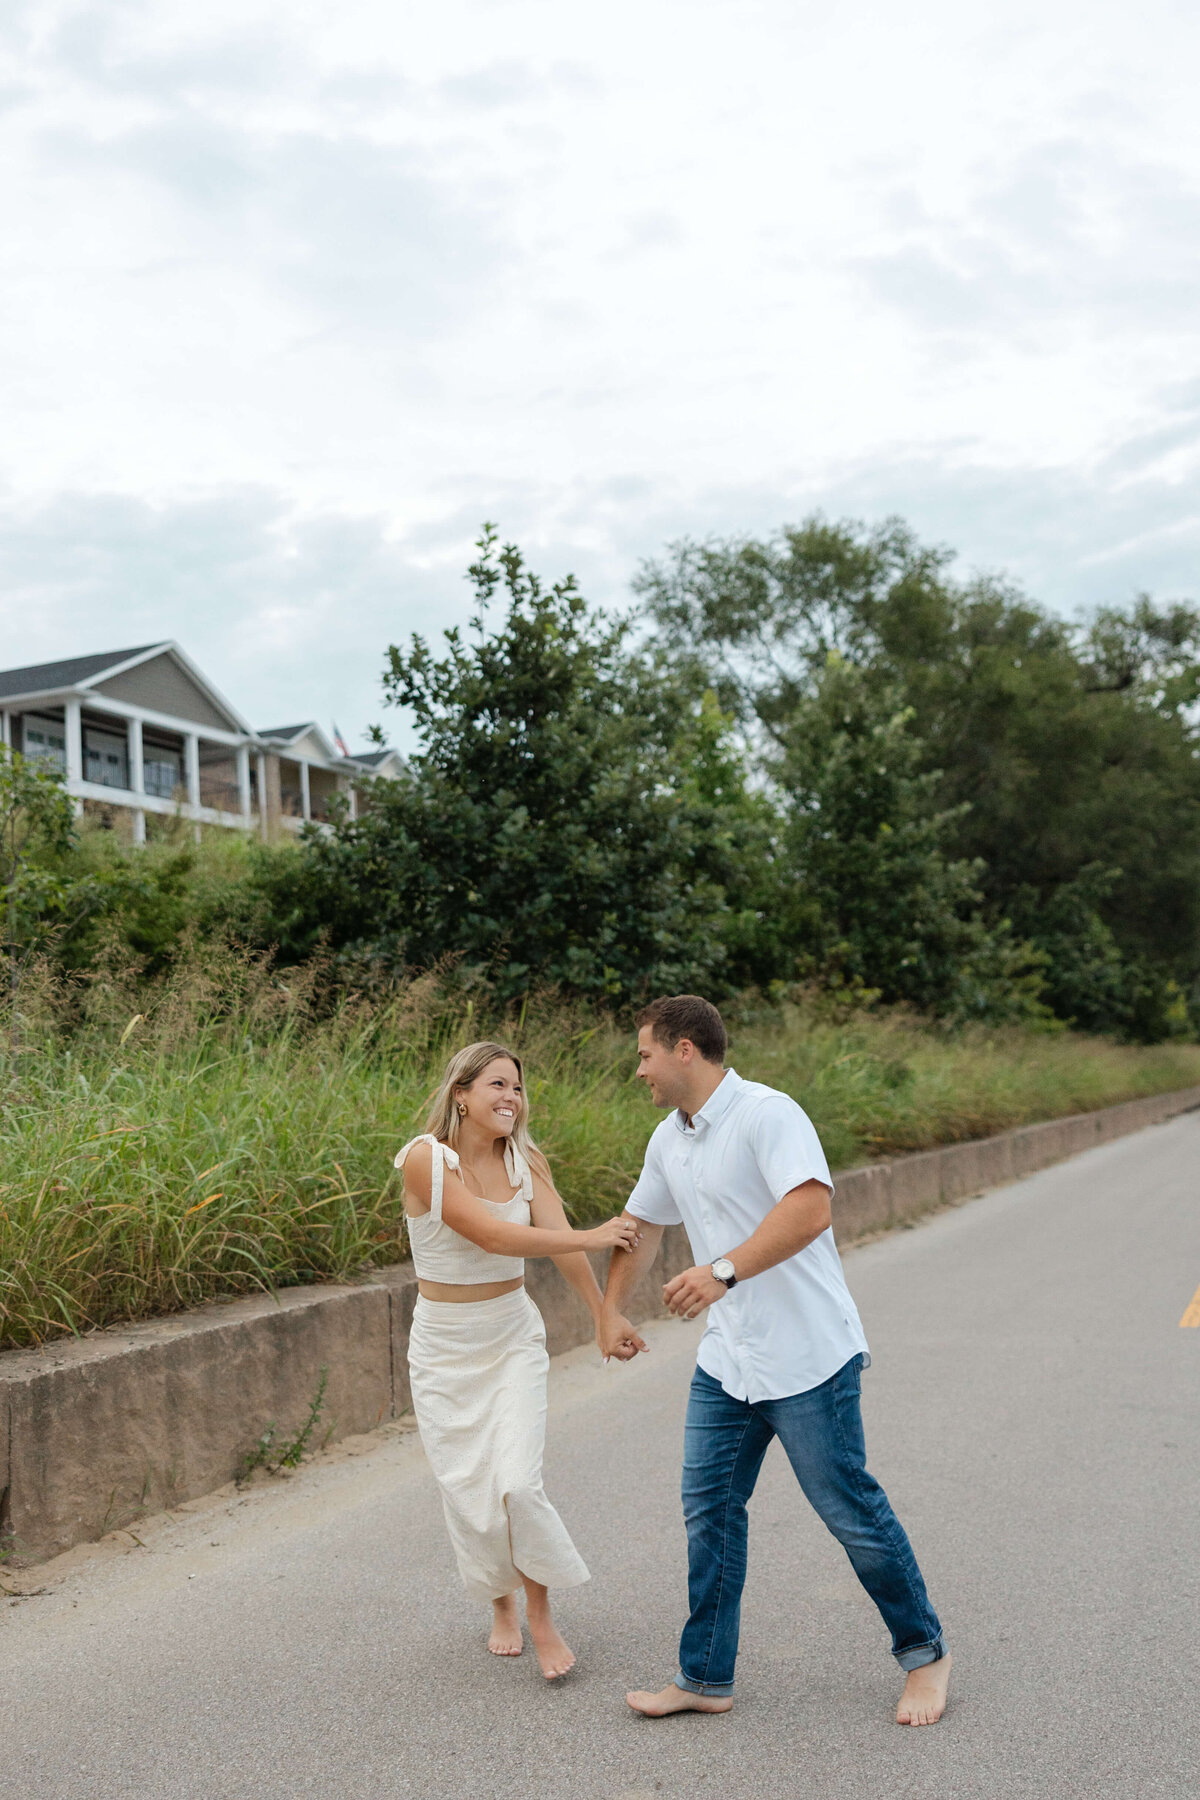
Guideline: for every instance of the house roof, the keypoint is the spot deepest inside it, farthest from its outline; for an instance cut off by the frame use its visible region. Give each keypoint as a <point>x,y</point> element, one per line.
<point>37,678</point>
<point>371,759</point>
<point>285,733</point>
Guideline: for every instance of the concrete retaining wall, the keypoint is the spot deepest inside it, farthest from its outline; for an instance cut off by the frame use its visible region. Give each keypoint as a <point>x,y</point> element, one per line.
<point>97,1431</point>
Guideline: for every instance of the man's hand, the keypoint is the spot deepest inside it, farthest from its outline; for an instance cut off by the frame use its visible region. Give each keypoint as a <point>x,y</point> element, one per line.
<point>692,1291</point>
<point>617,1337</point>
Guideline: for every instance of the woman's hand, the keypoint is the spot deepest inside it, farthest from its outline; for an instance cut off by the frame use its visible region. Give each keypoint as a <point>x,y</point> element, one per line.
<point>620,1233</point>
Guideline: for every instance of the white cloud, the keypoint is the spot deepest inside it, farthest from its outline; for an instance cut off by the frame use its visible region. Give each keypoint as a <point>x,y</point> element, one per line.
<point>292,297</point>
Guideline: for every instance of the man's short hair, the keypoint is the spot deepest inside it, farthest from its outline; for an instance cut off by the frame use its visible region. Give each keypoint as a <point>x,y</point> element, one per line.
<point>687,1016</point>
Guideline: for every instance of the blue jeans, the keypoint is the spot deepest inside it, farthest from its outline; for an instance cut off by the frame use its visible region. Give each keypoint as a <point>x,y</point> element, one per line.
<point>725,1441</point>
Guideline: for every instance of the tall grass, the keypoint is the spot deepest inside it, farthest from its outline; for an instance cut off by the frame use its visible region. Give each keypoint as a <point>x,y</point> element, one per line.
<point>228,1130</point>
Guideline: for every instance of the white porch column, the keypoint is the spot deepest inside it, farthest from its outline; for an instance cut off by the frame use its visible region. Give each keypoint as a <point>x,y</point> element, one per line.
<point>191,750</point>
<point>263,825</point>
<point>243,769</point>
<point>353,796</point>
<point>137,777</point>
<point>305,795</point>
<point>74,737</point>
<point>191,759</point>
<point>6,729</point>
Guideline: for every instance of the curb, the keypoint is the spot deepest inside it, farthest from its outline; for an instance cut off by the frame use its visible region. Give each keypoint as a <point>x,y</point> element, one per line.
<point>96,1432</point>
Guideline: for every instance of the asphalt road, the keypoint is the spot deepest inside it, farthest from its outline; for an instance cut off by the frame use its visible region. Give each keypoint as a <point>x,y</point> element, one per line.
<point>1032,1410</point>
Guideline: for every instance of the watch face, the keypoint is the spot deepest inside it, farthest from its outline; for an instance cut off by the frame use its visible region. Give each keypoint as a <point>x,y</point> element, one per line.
<point>722,1268</point>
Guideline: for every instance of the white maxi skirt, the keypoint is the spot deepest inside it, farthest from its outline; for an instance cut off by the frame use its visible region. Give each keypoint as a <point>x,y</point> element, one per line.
<point>478,1371</point>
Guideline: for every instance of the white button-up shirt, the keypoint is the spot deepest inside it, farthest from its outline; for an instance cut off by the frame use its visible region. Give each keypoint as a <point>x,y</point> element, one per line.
<point>792,1327</point>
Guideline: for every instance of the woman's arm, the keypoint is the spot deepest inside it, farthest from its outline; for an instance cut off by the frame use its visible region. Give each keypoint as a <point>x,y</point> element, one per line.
<point>471,1219</point>
<point>549,1212</point>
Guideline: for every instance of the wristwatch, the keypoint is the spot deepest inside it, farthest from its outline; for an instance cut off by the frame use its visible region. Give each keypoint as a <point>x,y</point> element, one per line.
<point>723,1271</point>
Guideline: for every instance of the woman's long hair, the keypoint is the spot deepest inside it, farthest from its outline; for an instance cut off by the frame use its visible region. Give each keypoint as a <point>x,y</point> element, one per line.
<point>462,1069</point>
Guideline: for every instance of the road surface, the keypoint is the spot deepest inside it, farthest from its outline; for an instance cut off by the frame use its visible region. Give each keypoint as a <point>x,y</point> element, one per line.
<point>1032,1410</point>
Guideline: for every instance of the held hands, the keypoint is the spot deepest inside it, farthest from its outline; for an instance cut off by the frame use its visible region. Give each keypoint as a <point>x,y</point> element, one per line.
<point>692,1291</point>
<point>615,1336</point>
<point>620,1233</point>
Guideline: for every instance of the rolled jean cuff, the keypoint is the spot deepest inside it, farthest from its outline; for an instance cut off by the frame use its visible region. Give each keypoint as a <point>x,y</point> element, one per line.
<point>712,1690</point>
<point>921,1654</point>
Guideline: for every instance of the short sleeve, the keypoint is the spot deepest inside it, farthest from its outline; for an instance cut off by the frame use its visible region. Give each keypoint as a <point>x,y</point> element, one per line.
<point>652,1199</point>
<point>786,1147</point>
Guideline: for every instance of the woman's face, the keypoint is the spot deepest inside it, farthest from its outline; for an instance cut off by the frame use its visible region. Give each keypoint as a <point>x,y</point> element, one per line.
<point>493,1100</point>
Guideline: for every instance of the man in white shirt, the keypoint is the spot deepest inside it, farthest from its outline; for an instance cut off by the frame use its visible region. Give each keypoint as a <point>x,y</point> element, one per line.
<point>741,1167</point>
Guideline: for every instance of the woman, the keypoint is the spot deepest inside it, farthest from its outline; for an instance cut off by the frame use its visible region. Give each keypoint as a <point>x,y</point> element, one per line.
<point>479,1197</point>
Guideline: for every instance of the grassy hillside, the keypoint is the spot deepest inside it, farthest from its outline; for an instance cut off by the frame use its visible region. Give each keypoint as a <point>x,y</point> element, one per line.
<point>226,1139</point>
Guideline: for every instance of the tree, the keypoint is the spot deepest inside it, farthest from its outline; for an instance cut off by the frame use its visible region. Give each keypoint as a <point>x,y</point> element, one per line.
<point>1065,755</point>
<point>571,816</point>
<point>880,901</point>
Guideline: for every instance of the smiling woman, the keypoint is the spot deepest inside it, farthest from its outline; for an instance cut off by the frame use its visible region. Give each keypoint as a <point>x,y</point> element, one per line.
<point>479,1198</point>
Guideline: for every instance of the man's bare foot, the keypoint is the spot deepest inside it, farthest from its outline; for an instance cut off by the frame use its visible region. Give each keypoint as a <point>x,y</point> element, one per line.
<point>554,1655</point>
<point>506,1627</point>
<point>924,1698</point>
<point>676,1699</point>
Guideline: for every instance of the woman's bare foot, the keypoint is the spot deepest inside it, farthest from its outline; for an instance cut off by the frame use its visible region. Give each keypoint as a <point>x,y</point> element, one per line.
<point>506,1627</point>
<point>554,1655</point>
<point>924,1698</point>
<point>676,1699</point>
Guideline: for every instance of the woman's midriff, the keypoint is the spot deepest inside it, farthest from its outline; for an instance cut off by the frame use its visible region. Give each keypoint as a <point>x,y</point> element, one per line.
<point>476,1290</point>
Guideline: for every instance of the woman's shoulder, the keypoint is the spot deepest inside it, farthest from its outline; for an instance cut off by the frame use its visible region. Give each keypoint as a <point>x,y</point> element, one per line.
<point>417,1155</point>
<point>535,1159</point>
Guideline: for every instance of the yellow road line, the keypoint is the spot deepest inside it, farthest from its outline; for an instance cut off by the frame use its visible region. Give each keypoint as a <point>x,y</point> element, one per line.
<point>1192,1315</point>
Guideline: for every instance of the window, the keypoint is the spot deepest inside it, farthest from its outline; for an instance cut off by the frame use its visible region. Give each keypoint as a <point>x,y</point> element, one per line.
<point>45,741</point>
<point>162,771</point>
<point>105,760</point>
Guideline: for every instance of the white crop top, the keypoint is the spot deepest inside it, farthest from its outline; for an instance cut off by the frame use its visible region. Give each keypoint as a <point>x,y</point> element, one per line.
<point>439,1252</point>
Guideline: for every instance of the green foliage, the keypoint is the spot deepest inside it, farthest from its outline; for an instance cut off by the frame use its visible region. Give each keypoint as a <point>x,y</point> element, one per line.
<point>879,897</point>
<point>818,757</point>
<point>1062,760</point>
<point>221,1130</point>
<point>275,1458</point>
<point>148,901</point>
<point>37,823</point>
<point>572,815</point>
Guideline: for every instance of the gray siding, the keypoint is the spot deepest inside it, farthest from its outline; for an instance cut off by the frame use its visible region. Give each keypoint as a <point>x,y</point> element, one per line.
<point>164,687</point>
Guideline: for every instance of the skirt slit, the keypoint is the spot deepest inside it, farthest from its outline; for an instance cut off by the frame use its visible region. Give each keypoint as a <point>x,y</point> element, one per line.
<point>478,1373</point>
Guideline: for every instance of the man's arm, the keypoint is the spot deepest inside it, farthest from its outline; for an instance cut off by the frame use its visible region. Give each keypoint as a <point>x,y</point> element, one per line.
<point>795,1222</point>
<point>614,1334</point>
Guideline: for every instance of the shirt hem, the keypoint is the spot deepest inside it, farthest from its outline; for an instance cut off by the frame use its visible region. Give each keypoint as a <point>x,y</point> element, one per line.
<point>786,1392</point>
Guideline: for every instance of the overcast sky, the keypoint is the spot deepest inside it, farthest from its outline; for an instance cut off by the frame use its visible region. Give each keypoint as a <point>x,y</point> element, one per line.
<point>294,293</point>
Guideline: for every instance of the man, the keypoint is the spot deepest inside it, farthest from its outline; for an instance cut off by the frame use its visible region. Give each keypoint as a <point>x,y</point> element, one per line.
<point>741,1166</point>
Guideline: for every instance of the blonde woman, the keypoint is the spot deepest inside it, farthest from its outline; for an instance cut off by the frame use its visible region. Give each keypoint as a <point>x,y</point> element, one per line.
<point>479,1197</point>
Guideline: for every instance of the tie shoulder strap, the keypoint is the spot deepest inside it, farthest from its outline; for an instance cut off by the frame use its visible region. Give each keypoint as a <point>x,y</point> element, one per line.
<point>519,1172</point>
<point>443,1158</point>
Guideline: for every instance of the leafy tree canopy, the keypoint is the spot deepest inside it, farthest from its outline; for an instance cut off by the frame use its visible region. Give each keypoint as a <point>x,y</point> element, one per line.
<point>1062,757</point>
<point>572,815</point>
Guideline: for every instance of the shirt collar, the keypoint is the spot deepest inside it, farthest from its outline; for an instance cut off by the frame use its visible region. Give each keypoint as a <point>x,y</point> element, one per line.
<point>718,1102</point>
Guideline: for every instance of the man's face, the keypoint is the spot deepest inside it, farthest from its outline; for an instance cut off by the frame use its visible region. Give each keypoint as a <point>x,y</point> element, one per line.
<point>663,1071</point>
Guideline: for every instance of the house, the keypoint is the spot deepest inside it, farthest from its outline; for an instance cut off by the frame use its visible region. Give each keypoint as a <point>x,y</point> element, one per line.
<point>142,735</point>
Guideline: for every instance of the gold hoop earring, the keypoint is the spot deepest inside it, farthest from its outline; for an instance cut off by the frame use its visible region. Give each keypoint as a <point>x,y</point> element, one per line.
<point>462,1111</point>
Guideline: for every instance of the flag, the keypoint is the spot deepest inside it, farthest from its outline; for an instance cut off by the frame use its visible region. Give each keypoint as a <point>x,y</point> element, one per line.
<point>340,741</point>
